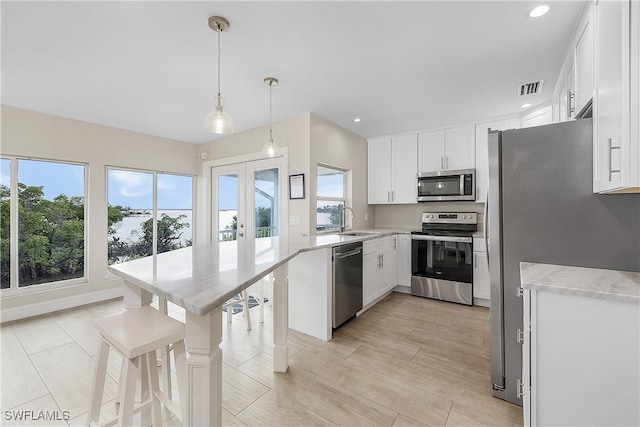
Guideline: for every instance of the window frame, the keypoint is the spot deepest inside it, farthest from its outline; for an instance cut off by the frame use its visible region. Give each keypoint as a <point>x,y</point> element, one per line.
<point>14,285</point>
<point>344,199</point>
<point>154,214</point>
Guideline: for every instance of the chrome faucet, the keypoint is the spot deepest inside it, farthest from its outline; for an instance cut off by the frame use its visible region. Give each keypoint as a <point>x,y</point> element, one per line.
<point>343,218</point>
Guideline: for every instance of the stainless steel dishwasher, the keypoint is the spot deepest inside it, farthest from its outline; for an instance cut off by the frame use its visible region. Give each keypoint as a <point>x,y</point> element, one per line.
<point>347,282</point>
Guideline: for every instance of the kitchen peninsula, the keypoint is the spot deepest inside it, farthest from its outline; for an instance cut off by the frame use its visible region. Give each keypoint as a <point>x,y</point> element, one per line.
<point>200,279</point>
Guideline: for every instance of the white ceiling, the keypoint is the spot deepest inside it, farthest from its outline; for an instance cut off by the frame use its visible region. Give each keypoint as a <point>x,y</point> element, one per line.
<point>150,66</point>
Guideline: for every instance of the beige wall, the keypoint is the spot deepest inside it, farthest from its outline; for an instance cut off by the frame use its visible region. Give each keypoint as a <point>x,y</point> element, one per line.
<point>332,145</point>
<point>42,136</point>
<point>310,140</point>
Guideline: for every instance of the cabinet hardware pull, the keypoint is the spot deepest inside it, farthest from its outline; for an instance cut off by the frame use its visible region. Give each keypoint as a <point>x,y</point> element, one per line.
<point>610,149</point>
<point>442,162</point>
<point>570,103</point>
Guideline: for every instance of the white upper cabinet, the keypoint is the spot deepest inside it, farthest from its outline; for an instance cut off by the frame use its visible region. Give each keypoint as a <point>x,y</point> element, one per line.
<point>404,169</point>
<point>482,153</point>
<point>379,170</point>
<point>539,117</point>
<point>616,114</point>
<point>392,170</point>
<point>431,151</point>
<point>584,64</point>
<point>576,83</point>
<point>448,149</point>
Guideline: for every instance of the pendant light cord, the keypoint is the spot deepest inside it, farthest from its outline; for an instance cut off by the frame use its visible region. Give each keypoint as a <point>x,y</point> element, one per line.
<point>219,31</point>
<point>270,129</point>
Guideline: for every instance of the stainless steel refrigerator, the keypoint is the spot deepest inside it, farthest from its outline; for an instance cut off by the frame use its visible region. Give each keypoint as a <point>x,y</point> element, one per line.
<point>541,208</point>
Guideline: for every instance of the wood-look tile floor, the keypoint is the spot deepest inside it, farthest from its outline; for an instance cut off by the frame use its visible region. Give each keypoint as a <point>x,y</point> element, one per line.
<point>407,361</point>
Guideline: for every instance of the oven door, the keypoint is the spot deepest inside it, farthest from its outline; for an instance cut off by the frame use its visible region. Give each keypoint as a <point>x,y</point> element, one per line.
<point>442,267</point>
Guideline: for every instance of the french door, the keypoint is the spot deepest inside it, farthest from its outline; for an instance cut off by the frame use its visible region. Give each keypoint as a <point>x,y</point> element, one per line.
<point>249,208</point>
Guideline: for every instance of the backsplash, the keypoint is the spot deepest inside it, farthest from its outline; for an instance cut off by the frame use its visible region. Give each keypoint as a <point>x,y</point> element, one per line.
<point>408,217</point>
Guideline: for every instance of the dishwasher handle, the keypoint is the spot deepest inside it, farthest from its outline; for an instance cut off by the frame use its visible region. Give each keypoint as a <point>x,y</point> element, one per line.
<point>349,253</point>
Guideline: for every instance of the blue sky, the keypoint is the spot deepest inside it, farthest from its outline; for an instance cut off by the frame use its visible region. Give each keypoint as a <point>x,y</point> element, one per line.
<point>135,189</point>
<point>56,178</point>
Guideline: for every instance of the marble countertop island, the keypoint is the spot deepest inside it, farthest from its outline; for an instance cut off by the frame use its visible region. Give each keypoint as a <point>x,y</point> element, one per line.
<point>613,285</point>
<point>202,277</point>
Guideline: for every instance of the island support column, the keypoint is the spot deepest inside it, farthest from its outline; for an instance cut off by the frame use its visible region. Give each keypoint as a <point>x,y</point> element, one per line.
<point>280,319</point>
<point>203,336</point>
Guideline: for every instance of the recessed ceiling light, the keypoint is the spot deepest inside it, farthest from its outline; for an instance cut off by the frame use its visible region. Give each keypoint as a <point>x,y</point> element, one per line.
<point>357,120</point>
<point>538,11</point>
<point>525,106</point>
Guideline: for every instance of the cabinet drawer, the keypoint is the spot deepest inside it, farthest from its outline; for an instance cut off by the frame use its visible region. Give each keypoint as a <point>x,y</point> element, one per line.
<point>369,246</point>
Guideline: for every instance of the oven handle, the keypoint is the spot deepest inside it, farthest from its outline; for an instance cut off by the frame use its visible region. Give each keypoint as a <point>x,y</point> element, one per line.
<point>442,238</point>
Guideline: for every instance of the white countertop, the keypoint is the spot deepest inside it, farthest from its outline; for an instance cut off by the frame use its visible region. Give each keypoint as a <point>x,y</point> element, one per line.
<point>199,279</point>
<point>590,282</point>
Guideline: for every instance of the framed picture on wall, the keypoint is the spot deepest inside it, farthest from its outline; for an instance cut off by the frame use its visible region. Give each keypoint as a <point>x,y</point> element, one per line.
<point>296,186</point>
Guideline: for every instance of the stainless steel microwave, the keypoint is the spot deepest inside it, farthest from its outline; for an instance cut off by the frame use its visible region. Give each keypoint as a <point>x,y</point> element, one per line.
<point>449,185</point>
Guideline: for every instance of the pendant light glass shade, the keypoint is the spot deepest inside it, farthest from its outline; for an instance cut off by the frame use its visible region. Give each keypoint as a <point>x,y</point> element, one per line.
<point>217,121</point>
<point>270,149</point>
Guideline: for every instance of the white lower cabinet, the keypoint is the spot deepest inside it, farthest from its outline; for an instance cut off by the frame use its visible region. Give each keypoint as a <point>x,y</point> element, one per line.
<point>378,269</point>
<point>404,262</point>
<point>581,360</point>
<point>480,273</point>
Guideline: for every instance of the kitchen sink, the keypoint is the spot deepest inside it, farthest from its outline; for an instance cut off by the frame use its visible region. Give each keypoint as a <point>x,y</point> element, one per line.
<point>358,233</point>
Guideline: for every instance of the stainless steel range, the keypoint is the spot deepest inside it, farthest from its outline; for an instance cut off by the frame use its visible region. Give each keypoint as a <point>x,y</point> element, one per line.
<point>442,257</point>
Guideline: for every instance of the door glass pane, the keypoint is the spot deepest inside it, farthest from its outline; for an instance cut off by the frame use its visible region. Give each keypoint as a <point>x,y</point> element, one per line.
<point>175,209</point>
<point>265,194</point>
<point>5,212</point>
<point>228,220</point>
<point>328,215</point>
<point>330,182</point>
<point>130,215</point>
<point>50,222</point>
<point>266,212</point>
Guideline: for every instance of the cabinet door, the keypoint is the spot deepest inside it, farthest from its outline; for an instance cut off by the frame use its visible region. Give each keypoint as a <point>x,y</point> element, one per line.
<point>482,153</point>
<point>379,171</point>
<point>562,102</point>
<point>388,270</point>
<point>404,169</point>
<point>537,118</point>
<point>403,260</point>
<point>431,151</point>
<point>584,64</point>
<point>370,278</point>
<point>460,151</point>
<point>571,92</point>
<point>611,110</point>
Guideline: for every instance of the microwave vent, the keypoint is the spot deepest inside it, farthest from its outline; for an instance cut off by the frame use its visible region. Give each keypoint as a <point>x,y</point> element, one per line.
<point>531,88</point>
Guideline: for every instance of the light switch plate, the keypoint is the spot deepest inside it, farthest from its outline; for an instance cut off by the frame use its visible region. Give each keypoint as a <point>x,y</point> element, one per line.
<point>294,219</point>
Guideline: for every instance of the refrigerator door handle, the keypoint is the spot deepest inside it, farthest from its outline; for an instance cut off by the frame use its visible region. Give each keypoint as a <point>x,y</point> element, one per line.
<point>485,228</point>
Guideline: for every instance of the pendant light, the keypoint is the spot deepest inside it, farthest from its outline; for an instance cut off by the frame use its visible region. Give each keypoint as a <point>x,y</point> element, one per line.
<point>217,121</point>
<point>270,149</point>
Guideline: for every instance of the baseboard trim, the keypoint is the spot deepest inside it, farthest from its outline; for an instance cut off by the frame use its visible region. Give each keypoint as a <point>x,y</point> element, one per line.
<point>30,310</point>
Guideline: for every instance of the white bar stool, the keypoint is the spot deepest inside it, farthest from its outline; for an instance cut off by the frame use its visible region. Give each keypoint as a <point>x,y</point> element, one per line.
<point>244,300</point>
<point>136,334</point>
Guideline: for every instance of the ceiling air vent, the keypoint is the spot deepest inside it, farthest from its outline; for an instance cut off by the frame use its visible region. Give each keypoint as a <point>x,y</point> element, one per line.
<point>531,88</point>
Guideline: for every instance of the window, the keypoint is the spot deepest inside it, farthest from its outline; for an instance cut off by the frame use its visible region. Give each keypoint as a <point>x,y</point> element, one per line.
<point>331,183</point>
<point>134,198</point>
<point>50,238</point>
<point>5,231</point>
